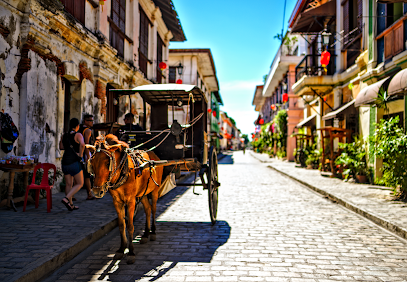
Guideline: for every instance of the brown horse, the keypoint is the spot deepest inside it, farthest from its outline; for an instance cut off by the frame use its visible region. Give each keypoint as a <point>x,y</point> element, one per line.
<point>119,169</point>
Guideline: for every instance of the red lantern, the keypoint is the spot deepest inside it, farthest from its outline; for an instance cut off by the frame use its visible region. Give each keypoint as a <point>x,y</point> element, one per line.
<point>162,65</point>
<point>253,136</point>
<point>261,121</point>
<point>273,107</point>
<point>285,97</point>
<point>325,57</point>
<point>214,113</point>
<point>179,81</point>
<point>209,110</point>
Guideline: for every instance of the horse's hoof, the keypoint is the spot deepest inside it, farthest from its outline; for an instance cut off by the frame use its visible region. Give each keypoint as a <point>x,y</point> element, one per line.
<point>131,259</point>
<point>153,237</point>
<point>118,255</point>
<point>144,240</point>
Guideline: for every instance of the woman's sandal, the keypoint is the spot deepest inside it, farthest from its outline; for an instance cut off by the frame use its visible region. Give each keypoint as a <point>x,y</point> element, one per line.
<point>68,205</point>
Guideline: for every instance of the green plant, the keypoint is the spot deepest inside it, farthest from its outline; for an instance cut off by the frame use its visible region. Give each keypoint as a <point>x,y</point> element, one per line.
<point>354,158</point>
<point>289,42</point>
<point>390,144</point>
<point>313,157</point>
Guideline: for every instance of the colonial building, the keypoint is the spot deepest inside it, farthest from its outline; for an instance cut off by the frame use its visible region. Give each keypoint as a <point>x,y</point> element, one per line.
<point>197,67</point>
<point>58,60</point>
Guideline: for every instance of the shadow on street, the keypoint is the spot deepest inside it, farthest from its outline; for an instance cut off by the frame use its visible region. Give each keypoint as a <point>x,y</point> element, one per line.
<point>226,158</point>
<point>177,242</point>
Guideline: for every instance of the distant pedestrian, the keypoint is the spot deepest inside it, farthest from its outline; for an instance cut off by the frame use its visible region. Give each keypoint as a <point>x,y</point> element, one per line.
<point>73,144</point>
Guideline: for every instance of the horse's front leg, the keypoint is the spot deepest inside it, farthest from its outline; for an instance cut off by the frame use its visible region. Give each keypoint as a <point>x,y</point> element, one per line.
<point>131,257</point>
<point>119,206</point>
<point>147,211</point>
<point>154,198</point>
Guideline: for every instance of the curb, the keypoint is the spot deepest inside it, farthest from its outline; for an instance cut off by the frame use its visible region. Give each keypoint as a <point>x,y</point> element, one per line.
<point>379,221</point>
<point>40,270</point>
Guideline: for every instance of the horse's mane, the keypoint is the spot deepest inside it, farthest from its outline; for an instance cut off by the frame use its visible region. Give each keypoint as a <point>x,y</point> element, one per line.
<point>111,139</point>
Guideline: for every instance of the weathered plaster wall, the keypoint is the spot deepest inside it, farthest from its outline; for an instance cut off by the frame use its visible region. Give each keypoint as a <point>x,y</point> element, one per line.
<point>38,110</point>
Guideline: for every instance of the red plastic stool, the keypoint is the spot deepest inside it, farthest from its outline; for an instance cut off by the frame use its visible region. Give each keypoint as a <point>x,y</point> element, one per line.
<point>44,185</point>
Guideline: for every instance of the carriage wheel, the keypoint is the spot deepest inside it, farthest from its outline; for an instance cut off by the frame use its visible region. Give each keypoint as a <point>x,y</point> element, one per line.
<point>213,184</point>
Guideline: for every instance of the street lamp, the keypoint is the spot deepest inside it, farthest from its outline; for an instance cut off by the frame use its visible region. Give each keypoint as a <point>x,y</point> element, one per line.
<point>180,68</point>
<point>308,98</point>
<point>325,37</point>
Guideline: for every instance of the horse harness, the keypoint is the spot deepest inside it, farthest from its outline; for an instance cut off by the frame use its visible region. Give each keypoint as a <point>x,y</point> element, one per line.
<point>131,159</point>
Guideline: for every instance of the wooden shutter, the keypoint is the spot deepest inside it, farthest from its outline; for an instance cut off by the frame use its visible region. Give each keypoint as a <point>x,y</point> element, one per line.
<point>76,8</point>
<point>143,49</point>
<point>118,25</point>
<point>160,46</point>
<point>398,37</point>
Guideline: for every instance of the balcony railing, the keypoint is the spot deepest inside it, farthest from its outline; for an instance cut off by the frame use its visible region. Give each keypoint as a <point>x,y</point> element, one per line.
<point>310,66</point>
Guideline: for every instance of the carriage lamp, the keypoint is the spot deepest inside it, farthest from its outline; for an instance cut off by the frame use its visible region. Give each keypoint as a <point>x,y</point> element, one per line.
<point>179,102</point>
<point>180,68</point>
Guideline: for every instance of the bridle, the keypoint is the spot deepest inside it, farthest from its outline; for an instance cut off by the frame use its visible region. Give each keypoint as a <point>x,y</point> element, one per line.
<point>135,156</point>
<point>113,168</point>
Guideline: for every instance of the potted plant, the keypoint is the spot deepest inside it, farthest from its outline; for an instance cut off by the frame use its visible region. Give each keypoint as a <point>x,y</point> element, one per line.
<point>354,158</point>
<point>312,161</point>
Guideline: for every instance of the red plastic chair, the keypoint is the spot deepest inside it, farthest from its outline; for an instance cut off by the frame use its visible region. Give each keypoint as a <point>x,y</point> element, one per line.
<point>44,185</point>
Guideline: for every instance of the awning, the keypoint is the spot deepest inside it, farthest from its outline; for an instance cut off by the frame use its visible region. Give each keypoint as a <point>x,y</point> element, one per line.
<point>335,113</point>
<point>398,84</point>
<point>309,121</point>
<point>307,20</point>
<point>368,94</point>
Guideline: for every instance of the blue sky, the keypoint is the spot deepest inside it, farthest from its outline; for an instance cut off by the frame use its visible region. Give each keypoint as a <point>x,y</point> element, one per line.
<point>240,35</point>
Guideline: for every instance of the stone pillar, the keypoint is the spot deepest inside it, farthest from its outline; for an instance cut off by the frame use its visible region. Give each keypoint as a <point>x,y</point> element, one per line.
<point>294,112</point>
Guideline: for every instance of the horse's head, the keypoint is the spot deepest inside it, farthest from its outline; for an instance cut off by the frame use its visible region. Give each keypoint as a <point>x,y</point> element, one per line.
<point>103,163</point>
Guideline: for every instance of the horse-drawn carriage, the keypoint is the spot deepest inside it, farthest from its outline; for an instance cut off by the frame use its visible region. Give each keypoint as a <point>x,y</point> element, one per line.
<point>177,140</point>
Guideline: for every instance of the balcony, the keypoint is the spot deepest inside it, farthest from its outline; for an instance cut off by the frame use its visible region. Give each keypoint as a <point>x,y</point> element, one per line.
<point>309,66</point>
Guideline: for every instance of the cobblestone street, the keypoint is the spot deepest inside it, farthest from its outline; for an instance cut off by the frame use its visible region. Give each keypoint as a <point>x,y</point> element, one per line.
<point>269,228</point>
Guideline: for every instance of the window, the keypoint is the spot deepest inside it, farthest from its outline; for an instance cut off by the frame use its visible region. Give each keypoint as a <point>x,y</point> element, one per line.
<point>117,26</point>
<point>353,28</point>
<point>143,50</point>
<point>391,32</point>
<point>76,8</point>
<point>172,75</point>
<point>160,46</point>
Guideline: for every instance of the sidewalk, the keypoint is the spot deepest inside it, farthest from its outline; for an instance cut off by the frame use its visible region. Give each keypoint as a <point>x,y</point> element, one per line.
<point>372,202</point>
<point>34,243</point>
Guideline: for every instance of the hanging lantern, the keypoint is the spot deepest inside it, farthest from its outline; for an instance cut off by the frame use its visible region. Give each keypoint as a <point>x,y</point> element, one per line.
<point>273,107</point>
<point>261,121</point>
<point>253,136</point>
<point>214,113</point>
<point>162,65</point>
<point>209,110</point>
<point>285,97</point>
<point>325,57</point>
<point>179,81</point>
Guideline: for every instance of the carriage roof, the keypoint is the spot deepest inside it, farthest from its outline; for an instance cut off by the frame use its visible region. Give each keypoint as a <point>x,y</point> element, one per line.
<point>164,93</point>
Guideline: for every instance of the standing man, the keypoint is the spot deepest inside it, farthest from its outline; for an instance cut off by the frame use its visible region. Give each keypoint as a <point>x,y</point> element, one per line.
<point>86,131</point>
